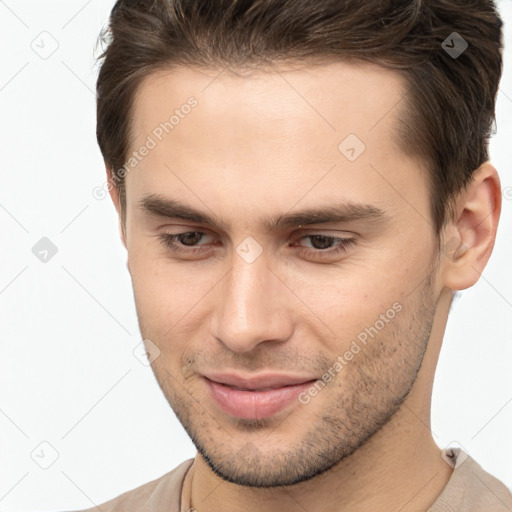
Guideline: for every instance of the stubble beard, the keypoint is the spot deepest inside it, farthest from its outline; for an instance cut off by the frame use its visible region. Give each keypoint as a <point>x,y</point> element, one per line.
<point>361,400</point>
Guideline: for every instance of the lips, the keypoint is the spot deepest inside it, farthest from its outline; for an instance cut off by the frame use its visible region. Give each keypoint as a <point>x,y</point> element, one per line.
<point>258,382</point>
<point>256,397</point>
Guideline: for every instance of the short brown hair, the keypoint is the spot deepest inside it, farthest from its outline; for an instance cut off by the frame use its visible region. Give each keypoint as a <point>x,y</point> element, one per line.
<point>446,119</point>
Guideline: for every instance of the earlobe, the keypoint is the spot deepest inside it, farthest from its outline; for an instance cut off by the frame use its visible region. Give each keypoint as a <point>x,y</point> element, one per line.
<point>469,239</point>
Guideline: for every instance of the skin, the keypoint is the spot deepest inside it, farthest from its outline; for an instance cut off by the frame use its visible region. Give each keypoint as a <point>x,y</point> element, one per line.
<point>265,144</point>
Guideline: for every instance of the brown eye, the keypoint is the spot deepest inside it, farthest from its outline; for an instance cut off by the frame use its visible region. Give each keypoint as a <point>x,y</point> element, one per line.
<point>324,246</point>
<point>180,241</point>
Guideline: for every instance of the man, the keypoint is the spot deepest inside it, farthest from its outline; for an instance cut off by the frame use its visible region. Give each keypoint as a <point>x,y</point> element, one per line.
<point>301,188</point>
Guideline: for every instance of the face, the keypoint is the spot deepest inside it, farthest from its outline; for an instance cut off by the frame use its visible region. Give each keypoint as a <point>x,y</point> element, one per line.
<point>274,227</point>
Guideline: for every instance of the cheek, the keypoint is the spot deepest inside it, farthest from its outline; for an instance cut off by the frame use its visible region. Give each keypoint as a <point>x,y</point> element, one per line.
<point>344,298</point>
<point>381,360</point>
<point>171,301</point>
<point>163,288</point>
<point>351,296</point>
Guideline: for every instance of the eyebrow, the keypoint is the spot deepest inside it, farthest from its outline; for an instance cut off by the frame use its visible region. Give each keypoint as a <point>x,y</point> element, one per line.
<point>160,206</point>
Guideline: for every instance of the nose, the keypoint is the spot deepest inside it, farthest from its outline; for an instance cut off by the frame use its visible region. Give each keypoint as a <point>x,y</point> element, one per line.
<point>251,306</point>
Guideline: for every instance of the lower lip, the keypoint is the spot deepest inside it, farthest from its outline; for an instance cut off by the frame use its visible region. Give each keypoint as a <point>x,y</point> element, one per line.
<point>254,405</point>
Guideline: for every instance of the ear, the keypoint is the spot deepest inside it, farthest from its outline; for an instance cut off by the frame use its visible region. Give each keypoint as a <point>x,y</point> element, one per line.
<point>114,195</point>
<point>468,240</point>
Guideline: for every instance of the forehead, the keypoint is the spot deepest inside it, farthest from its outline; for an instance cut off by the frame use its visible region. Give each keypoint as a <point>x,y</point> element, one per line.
<point>298,133</point>
<point>331,98</point>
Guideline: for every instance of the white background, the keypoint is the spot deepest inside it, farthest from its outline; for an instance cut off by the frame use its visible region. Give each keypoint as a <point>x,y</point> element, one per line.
<point>68,375</point>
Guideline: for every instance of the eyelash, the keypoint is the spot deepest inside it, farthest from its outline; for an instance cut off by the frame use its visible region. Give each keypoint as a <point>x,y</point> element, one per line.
<point>169,241</point>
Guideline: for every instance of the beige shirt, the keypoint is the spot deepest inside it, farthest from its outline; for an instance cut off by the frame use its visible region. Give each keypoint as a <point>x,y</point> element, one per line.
<point>470,489</point>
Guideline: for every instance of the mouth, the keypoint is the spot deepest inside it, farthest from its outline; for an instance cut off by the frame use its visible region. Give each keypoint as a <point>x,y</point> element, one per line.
<point>254,390</point>
<point>257,398</point>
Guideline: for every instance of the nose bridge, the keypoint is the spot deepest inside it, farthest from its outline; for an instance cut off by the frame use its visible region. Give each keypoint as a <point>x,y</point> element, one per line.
<point>250,309</point>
